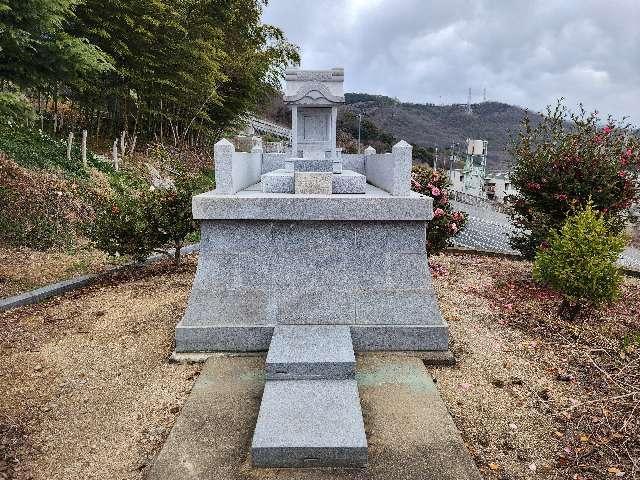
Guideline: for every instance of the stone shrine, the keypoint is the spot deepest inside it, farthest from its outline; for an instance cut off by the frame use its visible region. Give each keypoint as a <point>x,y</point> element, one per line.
<point>312,255</point>
<point>314,97</point>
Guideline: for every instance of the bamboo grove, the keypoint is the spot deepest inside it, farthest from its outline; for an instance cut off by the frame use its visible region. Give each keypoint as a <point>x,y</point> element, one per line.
<point>171,71</point>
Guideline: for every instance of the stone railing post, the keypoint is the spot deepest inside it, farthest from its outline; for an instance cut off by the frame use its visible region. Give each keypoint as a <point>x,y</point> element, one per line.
<point>223,157</point>
<point>401,168</point>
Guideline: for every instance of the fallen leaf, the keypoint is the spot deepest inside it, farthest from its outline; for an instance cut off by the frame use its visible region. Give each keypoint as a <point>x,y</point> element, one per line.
<point>494,466</point>
<point>532,467</point>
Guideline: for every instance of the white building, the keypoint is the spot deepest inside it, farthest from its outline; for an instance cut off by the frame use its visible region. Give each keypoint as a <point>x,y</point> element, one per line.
<point>496,185</point>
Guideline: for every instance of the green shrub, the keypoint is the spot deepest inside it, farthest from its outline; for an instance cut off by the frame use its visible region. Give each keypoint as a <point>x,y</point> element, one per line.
<point>579,262</point>
<point>39,209</point>
<point>563,163</point>
<point>446,223</point>
<point>139,218</point>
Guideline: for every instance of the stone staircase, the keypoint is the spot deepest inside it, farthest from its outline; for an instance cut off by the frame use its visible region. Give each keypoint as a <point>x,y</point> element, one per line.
<point>310,414</point>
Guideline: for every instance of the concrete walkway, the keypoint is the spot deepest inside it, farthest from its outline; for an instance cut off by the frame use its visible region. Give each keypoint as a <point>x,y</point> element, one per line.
<point>410,433</point>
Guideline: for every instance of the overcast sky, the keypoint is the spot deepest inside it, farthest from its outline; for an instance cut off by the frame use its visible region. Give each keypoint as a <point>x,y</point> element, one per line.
<point>524,52</point>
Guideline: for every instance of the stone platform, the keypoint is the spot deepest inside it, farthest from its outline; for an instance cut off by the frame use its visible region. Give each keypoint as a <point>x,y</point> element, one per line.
<point>310,412</point>
<point>283,181</point>
<point>309,423</point>
<point>310,352</point>
<point>411,435</point>
<point>270,259</point>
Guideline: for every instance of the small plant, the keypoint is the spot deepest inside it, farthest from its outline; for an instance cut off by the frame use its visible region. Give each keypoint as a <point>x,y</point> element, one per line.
<point>579,261</point>
<point>446,223</point>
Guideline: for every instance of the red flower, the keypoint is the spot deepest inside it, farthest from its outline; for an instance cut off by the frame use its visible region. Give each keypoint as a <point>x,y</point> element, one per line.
<point>607,130</point>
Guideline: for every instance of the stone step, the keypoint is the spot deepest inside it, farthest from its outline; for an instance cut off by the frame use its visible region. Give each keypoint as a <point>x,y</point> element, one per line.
<point>309,423</point>
<point>307,352</point>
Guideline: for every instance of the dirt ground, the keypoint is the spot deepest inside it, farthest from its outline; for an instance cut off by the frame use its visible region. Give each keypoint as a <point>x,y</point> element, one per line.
<point>535,396</point>
<point>86,390</point>
<point>85,386</point>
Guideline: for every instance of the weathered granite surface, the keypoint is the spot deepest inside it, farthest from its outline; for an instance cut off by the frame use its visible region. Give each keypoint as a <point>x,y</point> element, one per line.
<point>277,181</point>
<point>311,164</point>
<point>311,352</point>
<point>390,172</point>
<point>354,162</point>
<point>283,181</point>
<point>270,272</point>
<point>236,171</point>
<point>273,161</point>
<point>349,182</point>
<point>312,182</point>
<point>307,423</point>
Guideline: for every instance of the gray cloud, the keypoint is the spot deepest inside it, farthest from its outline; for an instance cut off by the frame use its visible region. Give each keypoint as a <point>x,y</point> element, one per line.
<point>523,52</point>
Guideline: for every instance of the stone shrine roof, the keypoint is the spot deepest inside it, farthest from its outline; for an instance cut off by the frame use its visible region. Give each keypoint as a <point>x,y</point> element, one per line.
<point>314,87</point>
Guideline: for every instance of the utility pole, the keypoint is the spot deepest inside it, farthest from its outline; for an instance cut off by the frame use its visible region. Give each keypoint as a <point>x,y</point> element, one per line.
<point>453,155</point>
<point>359,122</point>
<point>435,159</point>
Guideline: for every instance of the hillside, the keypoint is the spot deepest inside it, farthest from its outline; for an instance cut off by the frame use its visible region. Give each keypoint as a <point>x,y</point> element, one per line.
<point>386,120</point>
<point>429,125</point>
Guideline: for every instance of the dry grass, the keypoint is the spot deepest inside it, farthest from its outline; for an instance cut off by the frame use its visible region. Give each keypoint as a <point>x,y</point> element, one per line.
<point>23,269</point>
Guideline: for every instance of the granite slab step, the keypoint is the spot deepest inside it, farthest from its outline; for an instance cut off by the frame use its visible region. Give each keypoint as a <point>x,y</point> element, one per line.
<point>309,423</point>
<point>307,352</point>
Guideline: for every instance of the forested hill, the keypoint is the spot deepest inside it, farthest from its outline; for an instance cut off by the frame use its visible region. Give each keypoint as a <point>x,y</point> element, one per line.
<point>430,125</point>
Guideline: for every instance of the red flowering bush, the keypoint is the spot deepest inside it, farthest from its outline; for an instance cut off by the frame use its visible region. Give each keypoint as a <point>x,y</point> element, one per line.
<point>445,223</point>
<point>562,163</point>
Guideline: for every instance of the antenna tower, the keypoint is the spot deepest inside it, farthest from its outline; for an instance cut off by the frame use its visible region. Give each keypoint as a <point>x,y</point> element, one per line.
<point>469,112</point>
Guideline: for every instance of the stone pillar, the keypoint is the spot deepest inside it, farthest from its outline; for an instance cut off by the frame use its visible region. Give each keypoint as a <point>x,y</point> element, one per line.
<point>223,157</point>
<point>401,168</point>
<point>334,125</point>
<point>294,130</point>
<point>369,151</point>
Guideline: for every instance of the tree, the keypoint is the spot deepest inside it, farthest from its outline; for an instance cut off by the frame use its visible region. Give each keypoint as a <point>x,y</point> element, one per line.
<point>563,163</point>
<point>182,67</point>
<point>38,50</point>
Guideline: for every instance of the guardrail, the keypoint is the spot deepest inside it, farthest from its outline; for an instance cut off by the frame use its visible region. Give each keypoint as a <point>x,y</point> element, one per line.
<point>476,201</point>
<point>264,126</point>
